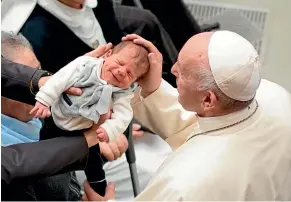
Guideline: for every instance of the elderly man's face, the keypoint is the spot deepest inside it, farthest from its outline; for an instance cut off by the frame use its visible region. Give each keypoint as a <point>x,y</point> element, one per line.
<point>14,108</point>
<point>189,96</point>
<point>192,58</point>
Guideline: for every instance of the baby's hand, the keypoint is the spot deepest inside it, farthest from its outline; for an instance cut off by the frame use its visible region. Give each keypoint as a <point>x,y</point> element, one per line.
<point>102,135</point>
<point>40,111</point>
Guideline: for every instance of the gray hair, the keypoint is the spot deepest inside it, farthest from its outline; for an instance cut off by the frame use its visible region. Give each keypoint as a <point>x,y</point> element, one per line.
<point>13,44</point>
<point>207,82</point>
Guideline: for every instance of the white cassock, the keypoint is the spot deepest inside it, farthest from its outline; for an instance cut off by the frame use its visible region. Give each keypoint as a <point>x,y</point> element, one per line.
<point>248,161</point>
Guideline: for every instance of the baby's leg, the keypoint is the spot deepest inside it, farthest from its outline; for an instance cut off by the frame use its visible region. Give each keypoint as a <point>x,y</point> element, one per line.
<point>94,170</point>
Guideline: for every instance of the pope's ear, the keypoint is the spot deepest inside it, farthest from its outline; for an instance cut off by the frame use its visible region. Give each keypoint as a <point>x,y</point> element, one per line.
<point>210,101</point>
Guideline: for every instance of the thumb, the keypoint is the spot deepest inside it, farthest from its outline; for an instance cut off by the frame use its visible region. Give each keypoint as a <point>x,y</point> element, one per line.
<point>110,191</point>
<point>90,193</point>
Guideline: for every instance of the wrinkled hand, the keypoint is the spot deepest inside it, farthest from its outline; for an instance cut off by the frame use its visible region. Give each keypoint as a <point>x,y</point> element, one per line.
<point>102,135</point>
<point>152,80</point>
<point>98,52</point>
<point>91,195</point>
<point>40,111</point>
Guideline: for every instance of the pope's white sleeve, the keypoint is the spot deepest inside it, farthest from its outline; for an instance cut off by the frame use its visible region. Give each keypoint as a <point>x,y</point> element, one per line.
<point>60,82</point>
<point>167,192</point>
<point>164,115</point>
<point>120,119</point>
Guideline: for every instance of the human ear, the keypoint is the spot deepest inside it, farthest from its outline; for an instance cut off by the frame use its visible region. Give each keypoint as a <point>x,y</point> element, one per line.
<point>209,101</point>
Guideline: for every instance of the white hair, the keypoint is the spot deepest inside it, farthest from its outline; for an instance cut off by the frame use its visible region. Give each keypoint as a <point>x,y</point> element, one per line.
<point>13,44</point>
<point>207,82</point>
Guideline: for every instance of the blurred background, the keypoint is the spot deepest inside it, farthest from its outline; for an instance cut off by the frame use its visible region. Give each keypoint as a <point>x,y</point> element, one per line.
<point>273,31</point>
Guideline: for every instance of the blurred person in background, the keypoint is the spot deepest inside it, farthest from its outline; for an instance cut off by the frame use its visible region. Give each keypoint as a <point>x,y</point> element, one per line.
<point>175,18</point>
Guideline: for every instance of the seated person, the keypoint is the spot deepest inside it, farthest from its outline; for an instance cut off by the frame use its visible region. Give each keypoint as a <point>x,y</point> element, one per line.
<point>18,126</point>
<point>103,80</point>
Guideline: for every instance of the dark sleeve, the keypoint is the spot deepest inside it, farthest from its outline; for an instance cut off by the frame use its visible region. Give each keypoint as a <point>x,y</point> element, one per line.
<point>29,161</point>
<point>15,79</point>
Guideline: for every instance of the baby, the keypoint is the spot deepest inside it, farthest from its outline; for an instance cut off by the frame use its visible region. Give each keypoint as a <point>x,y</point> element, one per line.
<point>105,82</point>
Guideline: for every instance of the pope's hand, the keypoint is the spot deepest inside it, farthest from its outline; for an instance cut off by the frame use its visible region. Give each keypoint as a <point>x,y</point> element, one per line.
<point>152,80</point>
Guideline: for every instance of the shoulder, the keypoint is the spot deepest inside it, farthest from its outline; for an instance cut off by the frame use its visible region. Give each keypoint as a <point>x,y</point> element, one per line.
<point>274,100</point>
<point>267,86</point>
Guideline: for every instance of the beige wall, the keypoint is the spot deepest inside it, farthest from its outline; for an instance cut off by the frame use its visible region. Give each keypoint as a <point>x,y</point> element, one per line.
<point>276,66</point>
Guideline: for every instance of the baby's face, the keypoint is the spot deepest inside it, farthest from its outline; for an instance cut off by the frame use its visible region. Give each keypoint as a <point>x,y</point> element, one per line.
<point>119,69</point>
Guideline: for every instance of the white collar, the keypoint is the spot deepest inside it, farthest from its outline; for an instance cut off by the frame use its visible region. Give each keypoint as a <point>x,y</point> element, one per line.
<point>206,124</point>
<point>82,22</point>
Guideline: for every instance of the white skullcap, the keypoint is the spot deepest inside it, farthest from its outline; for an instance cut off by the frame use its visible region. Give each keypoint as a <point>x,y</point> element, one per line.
<point>235,65</point>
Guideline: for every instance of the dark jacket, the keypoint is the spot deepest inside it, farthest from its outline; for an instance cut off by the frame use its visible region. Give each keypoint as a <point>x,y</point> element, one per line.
<point>22,165</point>
<point>15,79</point>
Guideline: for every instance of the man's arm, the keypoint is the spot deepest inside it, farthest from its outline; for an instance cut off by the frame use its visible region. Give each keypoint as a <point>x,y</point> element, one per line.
<point>163,114</point>
<point>120,118</point>
<point>30,161</point>
<point>61,81</point>
<point>15,81</point>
